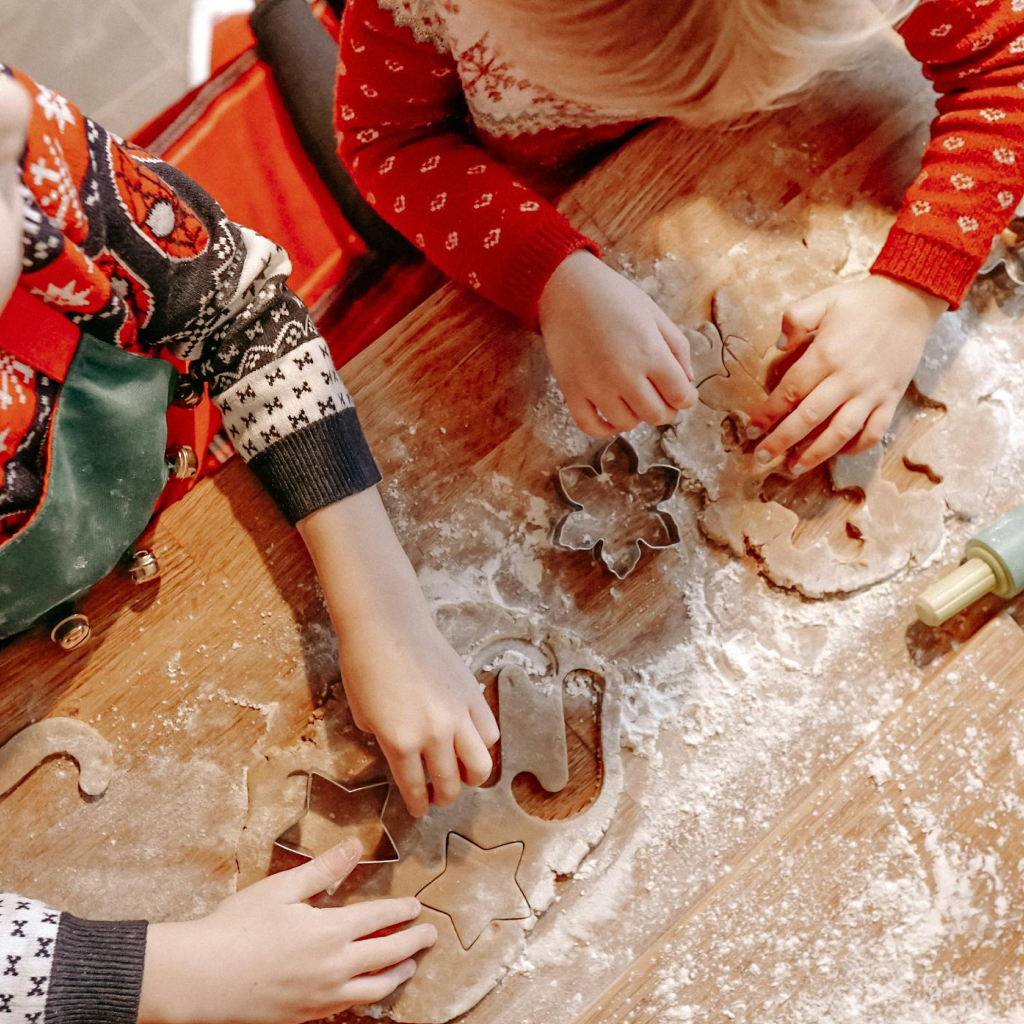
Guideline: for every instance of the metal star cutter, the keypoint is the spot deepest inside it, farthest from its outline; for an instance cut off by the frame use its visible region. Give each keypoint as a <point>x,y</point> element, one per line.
<point>332,812</point>
<point>617,510</point>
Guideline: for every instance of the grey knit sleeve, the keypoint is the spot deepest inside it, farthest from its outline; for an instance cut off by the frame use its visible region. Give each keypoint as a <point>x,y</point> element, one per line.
<point>58,969</point>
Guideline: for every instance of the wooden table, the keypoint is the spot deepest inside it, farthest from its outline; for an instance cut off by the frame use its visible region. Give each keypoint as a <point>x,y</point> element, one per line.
<point>231,656</point>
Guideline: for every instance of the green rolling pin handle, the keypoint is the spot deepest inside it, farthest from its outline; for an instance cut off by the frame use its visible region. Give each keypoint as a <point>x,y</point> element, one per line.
<point>994,564</point>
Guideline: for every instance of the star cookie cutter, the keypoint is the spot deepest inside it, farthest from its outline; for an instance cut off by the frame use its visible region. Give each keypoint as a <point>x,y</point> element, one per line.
<point>578,530</point>
<point>327,806</point>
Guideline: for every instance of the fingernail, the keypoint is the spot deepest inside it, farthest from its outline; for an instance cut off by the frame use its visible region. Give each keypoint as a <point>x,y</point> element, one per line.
<point>352,847</point>
<point>410,969</point>
<point>432,933</point>
<point>762,456</point>
<point>415,906</point>
<point>797,470</point>
<point>753,432</point>
<point>782,341</point>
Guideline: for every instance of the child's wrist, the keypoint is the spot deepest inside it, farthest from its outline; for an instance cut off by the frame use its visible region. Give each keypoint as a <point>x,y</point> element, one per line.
<point>563,278</point>
<point>917,301</point>
<point>395,608</point>
<point>164,977</point>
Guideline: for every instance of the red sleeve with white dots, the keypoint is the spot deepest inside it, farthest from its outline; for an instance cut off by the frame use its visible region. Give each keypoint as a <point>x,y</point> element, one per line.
<point>402,132</point>
<point>972,175</point>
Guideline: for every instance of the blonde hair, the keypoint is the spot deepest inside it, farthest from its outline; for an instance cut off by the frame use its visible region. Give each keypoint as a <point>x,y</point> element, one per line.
<point>701,61</point>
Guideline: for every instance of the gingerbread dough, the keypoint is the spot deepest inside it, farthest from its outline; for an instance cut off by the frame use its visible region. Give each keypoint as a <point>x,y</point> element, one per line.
<point>54,737</point>
<point>895,529</point>
<point>485,842</point>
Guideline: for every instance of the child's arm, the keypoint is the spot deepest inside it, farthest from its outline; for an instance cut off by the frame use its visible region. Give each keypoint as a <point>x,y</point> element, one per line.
<point>866,338</point>
<point>141,255</point>
<point>401,117</point>
<point>262,955</point>
<point>404,682</point>
<point>216,293</point>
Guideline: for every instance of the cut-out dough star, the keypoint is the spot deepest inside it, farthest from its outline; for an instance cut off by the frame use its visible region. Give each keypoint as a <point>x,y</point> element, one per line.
<point>333,812</point>
<point>478,886</point>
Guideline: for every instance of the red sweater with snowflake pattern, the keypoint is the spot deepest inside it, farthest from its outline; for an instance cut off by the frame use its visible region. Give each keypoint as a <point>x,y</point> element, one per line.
<point>463,154</point>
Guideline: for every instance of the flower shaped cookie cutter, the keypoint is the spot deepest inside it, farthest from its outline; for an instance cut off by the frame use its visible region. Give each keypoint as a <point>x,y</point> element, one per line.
<point>614,521</point>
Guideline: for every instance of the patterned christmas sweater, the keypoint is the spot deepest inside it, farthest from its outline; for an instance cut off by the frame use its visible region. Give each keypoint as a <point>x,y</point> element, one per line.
<point>138,255</point>
<point>462,153</point>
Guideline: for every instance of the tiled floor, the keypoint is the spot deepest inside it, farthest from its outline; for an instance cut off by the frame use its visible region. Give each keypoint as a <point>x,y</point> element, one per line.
<point>121,61</point>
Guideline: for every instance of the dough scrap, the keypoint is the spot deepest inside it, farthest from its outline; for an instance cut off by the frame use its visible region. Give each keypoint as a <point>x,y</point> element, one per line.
<point>27,749</point>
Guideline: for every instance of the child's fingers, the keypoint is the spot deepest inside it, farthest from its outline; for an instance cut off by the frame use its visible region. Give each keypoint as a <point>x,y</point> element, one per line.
<point>366,955</point>
<point>677,342</point>
<point>412,784</point>
<point>796,384</point>
<point>674,387</point>
<point>308,880</point>
<point>444,773</point>
<point>469,747</point>
<point>372,988</point>
<point>619,414</point>
<point>363,919</point>
<point>874,430</point>
<point>812,411</point>
<point>844,426</point>
<point>587,418</point>
<point>801,320</point>
<point>649,404</point>
<point>485,722</point>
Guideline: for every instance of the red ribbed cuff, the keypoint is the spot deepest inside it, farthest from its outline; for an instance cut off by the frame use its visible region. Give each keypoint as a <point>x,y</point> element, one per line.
<point>532,265</point>
<point>928,264</point>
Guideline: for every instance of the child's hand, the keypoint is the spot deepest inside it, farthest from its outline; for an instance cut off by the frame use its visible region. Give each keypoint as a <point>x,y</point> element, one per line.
<point>264,955</point>
<point>864,341</point>
<point>404,682</point>
<point>408,687</point>
<point>616,356</point>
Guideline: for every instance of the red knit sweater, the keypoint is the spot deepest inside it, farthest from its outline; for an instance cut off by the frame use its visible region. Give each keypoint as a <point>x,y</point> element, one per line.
<point>461,153</point>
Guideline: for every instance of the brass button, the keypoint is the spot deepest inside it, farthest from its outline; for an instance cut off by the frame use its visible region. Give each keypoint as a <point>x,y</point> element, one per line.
<point>188,392</point>
<point>143,567</point>
<point>183,463</point>
<point>71,632</point>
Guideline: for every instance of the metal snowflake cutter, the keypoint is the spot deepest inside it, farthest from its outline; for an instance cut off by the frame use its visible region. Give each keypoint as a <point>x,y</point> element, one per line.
<point>617,510</point>
<point>1008,250</point>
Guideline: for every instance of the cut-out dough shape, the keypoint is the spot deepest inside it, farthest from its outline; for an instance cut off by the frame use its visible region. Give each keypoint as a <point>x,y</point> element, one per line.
<point>617,508</point>
<point>333,812</point>
<point>26,750</point>
<point>896,529</point>
<point>533,665</point>
<point>535,715</point>
<point>478,886</point>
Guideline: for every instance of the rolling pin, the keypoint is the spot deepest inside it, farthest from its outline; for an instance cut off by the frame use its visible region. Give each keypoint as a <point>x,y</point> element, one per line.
<point>993,564</point>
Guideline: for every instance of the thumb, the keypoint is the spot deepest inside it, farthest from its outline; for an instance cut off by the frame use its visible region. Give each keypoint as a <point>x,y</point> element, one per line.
<point>802,319</point>
<point>308,880</point>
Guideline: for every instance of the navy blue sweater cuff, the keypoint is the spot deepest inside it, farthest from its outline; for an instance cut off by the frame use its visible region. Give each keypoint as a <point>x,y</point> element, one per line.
<point>317,465</point>
<point>97,972</point>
